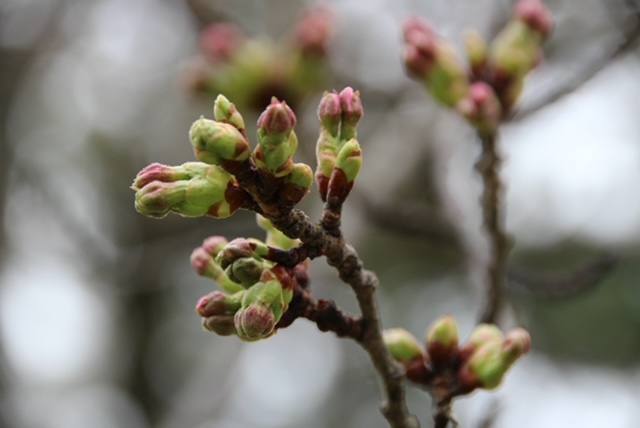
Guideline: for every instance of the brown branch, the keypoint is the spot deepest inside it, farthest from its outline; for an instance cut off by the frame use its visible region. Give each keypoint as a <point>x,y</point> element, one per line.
<point>488,166</point>
<point>567,283</point>
<point>297,225</point>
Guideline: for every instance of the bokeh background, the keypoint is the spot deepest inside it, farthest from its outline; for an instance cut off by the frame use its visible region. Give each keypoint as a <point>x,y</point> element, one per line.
<point>97,326</point>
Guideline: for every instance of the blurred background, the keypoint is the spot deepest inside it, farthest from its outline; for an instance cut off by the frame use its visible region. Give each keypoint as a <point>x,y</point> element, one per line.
<point>97,326</point>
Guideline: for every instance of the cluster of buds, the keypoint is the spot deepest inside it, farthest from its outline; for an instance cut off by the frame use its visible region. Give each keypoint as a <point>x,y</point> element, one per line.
<point>211,186</point>
<point>193,189</point>
<point>337,152</point>
<point>489,87</point>
<point>448,369</point>
<point>257,291</point>
<point>258,279</point>
<point>251,70</point>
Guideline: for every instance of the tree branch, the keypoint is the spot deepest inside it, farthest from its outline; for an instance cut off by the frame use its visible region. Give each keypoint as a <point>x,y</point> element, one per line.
<point>297,225</point>
<point>488,166</point>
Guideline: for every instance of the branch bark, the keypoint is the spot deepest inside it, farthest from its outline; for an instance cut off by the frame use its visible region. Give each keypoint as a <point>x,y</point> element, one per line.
<point>488,166</point>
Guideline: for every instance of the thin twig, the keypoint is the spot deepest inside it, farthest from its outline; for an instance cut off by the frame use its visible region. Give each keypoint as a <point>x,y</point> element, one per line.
<point>566,283</point>
<point>577,80</point>
<point>488,166</point>
<point>297,225</point>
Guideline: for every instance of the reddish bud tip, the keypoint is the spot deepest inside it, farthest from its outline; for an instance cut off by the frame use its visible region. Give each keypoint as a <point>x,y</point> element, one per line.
<point>313,32</point>
<point>536,16</point>
<point>351,106</point>
<point>278,118</point>
<point>213,244</point>
<point>255,322</point>
<point>420,47</point>
<point>219,42</point>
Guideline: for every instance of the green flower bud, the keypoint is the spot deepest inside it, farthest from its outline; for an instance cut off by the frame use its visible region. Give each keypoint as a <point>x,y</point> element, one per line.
<point>492,356</point>
<point>218,303</point>
<point>204,264</point>
<point>348,164</point>
<point>246,271</point>
<point>241,248</point>
<point>486,367</point>
<point>157,199</point>
<point>327,149</point>
<point>297,184</point>
<point>330,113</point>
<point>255,322</point>
<point>216,142</point>
<point>222,325</point>
<point>442,342</point>
<point>349,160</point>
<point>483,333</point>
<point>277,141</point>
<point>205,190</point>
<point>432,60</point>
<point>262,307</point>
<point>225,111</point>
<point>403,346</point>
<point>477,52</point>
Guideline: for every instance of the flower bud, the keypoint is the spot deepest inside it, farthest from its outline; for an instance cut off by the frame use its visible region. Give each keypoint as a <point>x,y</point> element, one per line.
<point>255,322</point>
<point>225,111</point>
<point>214,244</point>
<point>203,262</point>
<point>313,32</point>
<point>477,52</point>
<point>403,346</point>
<point>516,344</point>
<point>348,164</point>
<point>246,271</point>
<point>297,184</point>
<point>481,107</point>
<point>432,60</point>
<point>330,113</point>
<point>536,16</point>
<point>442,342</point>
<point>218,303</point>
<point>216,142</point>
<point>160,172</point>
<point>277,141</point>
<point>352,112</point>
<point>220,42</point>
<point>222,325</point>
<point>206,190</point>
<point>483,333</point>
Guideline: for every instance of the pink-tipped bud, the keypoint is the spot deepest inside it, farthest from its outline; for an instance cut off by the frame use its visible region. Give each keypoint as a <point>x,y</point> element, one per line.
<point>481,107</point>
<point>158,172</point>
<point>255,322</point>
<point>214,244</point>
<point>313,32</point>
<point>352,112</point>
<point>217,303</point>
<point>536,16</point>
<point>330,112</point>
<point>420,47</point>
<point>220,42</point>
<point>516,343</point>
<point>277,119</point>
